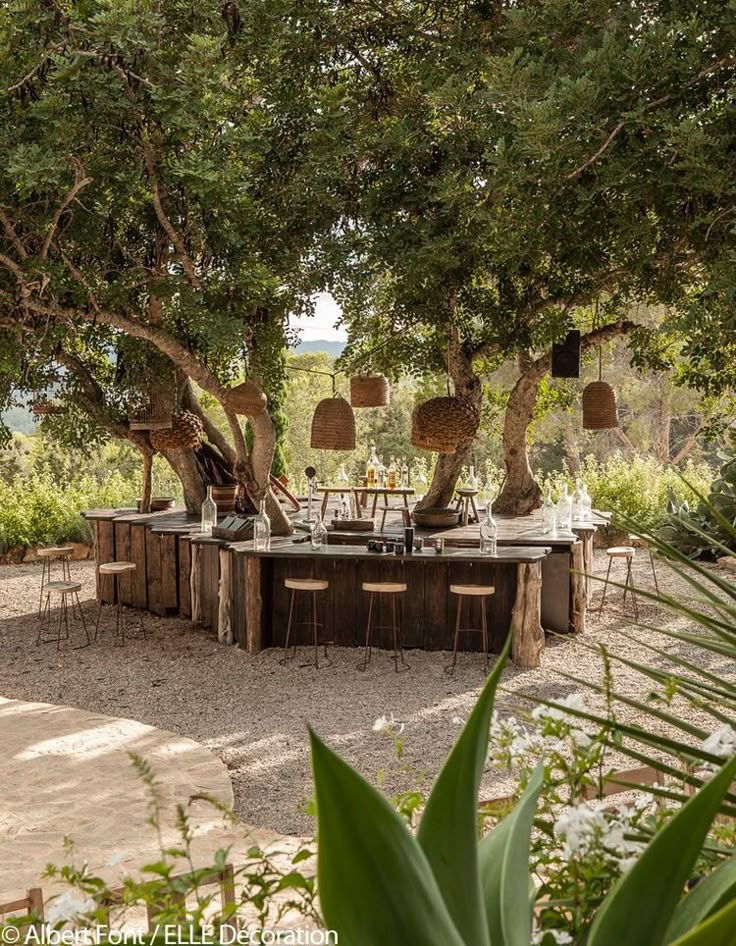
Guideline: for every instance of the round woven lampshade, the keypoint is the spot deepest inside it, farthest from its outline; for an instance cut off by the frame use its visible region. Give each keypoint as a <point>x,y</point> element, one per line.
<point>441,423</point>
<point>333,425</point>
<point>42,407</point>
<point>370,390</point>
<point>246,398</point>
<point>186,431</point>
<point>599,406</point>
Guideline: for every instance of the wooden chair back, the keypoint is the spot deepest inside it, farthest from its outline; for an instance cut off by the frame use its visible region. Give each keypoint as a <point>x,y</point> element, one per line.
<point>31,906</point>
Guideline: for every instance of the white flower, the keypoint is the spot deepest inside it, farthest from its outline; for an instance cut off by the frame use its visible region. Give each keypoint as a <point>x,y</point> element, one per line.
<point>457,721</point>
<point>388,724</point>
<point>68,905</point>
<point>575,701</point>
<point>626,863</point>
<point>580,827</point>
<point>580,738</point>
<point>722,742</point>
<point>560,936</point>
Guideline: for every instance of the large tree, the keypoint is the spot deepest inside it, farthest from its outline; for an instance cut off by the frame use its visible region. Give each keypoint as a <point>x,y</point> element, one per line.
<point>156,212</point>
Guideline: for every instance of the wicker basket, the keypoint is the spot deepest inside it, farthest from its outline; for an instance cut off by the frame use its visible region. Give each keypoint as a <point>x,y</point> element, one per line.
<point>370,390</point>
<point>43,407</point>
<point>186,432</point>
<point>599,406</point>
<point>246,398</point>
<point>441,423</point>
<point>333,425</point>
<point>224,498</point>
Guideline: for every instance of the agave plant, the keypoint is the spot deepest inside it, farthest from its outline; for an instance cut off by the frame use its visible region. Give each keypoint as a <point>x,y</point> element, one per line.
<point>381,885</point>
<point>707,527</point>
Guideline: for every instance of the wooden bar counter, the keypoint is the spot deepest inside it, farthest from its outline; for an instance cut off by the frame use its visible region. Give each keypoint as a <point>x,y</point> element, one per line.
<point>427,607</point>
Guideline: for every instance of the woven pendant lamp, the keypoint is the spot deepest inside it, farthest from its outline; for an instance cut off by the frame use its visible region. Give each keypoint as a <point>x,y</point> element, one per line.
<point>333,425</point>
<point>186,432</point>
<point>600,411</point>
<point>441,423</point>
<point>370,390</point>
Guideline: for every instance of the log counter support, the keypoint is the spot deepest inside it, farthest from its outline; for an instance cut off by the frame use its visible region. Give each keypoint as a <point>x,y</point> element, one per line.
<point>427,608</point>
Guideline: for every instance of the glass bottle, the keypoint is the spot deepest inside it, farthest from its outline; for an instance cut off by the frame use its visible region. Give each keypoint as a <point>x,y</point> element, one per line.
<point>262,530</point>
<point>472,478</point>
<point>549,513</point>
<point>392,474</point>
<point>404,474</point>
<point>577,501</point>
<point>209,513</point>
<point>586,505</point>
<point>318,534</point>
<point>381,474</point>
<point>564,511</point>
<point>488,532</point>
<point>371,468</point>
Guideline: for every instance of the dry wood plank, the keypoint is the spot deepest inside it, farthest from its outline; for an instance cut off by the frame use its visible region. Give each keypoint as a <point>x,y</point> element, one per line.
<point>588,550</point>
<point>437,635</point>
<point>225,613</point>
<point>106,553</point>
<point>139,578</point>
<point>253,605</point>
<point>153,573</point>
<point>195,583</point>
<point>578,588</point>
<point>527,635</point>
<point>122,550</point>
<point>169,575</point>
<point>344,597</point>
<point>185,566</point>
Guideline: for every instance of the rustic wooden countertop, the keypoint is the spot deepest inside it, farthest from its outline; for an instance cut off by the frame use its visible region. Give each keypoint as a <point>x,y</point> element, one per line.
<point>286,548</point>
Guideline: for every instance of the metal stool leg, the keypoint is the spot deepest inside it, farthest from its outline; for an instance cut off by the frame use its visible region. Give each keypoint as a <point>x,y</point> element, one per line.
<point>484,630</point>
<point>629,585</point>
<point>43,585</point>
<point>81,617</point>
<point>44,619</point>
<point>605,584</point>
<point>367,651</point>
<point>119,628</point>
<point>288,632</point>
<point>101,591</point>
<point>398,647</point>
<point>451,668</point>
<point>314,630</point>
<point>654,571</point>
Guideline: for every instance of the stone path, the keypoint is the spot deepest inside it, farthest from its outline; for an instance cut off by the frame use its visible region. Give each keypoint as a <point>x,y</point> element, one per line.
<point>67,773</point>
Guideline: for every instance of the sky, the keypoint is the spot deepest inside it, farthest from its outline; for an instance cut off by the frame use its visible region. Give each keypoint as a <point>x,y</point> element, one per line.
<point>322,324</point>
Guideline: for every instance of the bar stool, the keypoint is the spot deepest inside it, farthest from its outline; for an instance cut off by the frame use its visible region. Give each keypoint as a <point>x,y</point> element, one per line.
<point>311,586</point>
<point>465,503</point>
<point>114,570</point>
<point>639,542</point>
<point>48,556</point>
<point>393,588</point>
<point>68,591</point>
<point>627,553</point>
<point>471,591</point>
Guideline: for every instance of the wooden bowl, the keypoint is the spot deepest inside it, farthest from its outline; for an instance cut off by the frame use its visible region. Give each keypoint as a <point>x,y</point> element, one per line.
<point>354,525</point>
<point>436,517</point>
<point>159,503</point>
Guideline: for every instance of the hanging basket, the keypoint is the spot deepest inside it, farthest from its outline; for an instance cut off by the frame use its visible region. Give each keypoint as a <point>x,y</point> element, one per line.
<point>186,432</point>
<point>441,423</point>
<point>148,419</point>
<point>247,398</point>
<point>224,498</point>
<point>370,390</point>
<point>333,425</point>
<point>43,407</point>
<point>599,406</point>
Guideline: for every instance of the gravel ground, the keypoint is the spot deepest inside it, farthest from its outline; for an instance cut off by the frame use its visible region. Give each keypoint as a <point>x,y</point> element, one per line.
<point>252,712</point>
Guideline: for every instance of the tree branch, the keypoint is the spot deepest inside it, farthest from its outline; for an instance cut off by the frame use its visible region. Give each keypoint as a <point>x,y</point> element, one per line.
<point>12,235</point>
<point>80,183</point>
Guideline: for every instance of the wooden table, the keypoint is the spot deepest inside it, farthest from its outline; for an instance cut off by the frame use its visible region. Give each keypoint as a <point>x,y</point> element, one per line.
<point>328,491</point>
<point>428,607</point>
<point>362,493</point>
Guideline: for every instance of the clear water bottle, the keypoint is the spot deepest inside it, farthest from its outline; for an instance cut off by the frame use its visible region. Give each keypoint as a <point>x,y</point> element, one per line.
<point>488,532</point>
<point>549,514</point>
<point>318,534</point>
<point>586,505</point>
<point>577,501</point>
<point>209,513</point>
<point>262,530</point>
<point>472,478</point>
<point>564,511</point>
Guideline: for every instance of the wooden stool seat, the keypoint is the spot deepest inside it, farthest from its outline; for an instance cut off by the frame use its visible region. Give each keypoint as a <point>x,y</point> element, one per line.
<point>63,587</point>
<point>384,587</point>
<point>116,568</point>
<point>478,590</point>
<point>621,551</point>
<point>55,552</point>
<point>306,584</point>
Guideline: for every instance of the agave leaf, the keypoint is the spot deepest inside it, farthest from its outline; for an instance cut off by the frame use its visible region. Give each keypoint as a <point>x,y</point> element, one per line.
<point>504,868</point>
<point>639,907</point>
<point>717,930</point>
<point>710,895</point>
<point>375,883</point>
<point>448,830</point>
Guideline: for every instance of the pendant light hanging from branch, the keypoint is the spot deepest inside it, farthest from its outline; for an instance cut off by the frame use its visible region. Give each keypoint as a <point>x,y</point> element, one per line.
<point>600,411</point>
<point>370,390</point>
<point>333,424</point>
<point>441,423</point>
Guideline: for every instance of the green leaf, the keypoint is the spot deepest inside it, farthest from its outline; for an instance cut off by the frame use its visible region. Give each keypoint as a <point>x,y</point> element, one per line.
<point>504,868</point>
<point>448,829</point>
<point>718,930</point>
<point>706,897</point>
<point>638,909</point>
<point>375,883</point>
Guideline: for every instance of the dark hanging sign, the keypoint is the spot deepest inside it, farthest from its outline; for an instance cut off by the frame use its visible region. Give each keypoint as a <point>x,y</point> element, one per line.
<point>566,356</point>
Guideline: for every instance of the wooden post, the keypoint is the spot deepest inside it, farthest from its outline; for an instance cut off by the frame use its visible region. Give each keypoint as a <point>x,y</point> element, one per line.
<point>147,482</point>
<point>253,605</point>
<point>196,583</point>
<point>225,612</point>
<point>588,550</point>
<point>527,634</point>
<point>578,587</point>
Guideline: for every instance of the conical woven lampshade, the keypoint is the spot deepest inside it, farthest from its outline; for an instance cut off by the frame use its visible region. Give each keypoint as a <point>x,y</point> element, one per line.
<point>441,423</point>
<point>333,425</point>
<point>599,406</point>
<point>370,390</point>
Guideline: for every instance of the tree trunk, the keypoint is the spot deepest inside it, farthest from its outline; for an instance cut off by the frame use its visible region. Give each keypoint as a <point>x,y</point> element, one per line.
<point>184,464</point>
<point>521,493</point>
<point>449,465</point>
<point>147,482</point>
